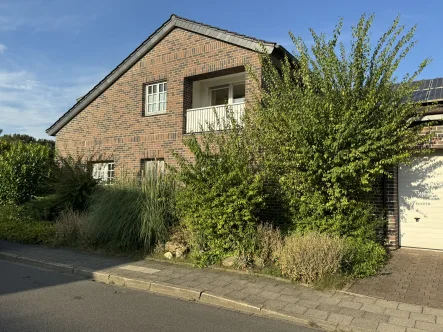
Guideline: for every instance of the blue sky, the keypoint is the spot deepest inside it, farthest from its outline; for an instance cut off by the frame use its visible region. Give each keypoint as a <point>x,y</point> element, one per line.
<point>52,52</point>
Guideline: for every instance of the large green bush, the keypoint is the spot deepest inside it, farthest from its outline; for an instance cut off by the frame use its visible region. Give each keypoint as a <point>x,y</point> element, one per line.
<point>132,214</point>
<point>24,170</point>
<point>332,120</point>
<point>221,193</point>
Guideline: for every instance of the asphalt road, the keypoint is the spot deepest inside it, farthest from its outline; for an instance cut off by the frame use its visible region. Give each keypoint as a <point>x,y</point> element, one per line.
<point>33,299</point>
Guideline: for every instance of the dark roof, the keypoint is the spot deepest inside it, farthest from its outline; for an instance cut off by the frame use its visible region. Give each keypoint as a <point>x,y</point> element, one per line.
<point>174,21</point>
<point>429,91</point>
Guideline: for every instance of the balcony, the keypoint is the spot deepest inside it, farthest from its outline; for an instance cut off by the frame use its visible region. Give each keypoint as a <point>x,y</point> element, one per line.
<point>199,119</point>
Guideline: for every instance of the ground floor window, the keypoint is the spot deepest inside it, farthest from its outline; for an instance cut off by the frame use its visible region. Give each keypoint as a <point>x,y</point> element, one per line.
<point>104,171</point>
<point>156,165</point>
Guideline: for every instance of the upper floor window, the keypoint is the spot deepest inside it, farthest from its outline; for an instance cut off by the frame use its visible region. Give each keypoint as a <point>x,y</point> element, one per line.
<point>156,95</point>
<point>228,94</point>
<point>103,171</point>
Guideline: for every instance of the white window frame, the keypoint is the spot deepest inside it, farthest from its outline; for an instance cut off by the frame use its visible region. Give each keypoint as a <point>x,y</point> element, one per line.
<point>230,87</point>
<point>159,163</point>
<point>104,171</point>
<point>156,100</point>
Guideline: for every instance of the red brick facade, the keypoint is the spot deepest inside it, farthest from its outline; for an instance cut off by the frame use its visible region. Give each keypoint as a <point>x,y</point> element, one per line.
<point>114,124</point>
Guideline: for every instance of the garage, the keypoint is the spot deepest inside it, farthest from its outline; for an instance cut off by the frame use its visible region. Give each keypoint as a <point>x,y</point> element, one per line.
<point>420,194</point>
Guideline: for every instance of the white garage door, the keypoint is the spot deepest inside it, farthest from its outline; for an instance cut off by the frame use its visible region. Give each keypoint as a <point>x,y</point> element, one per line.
<point>420,191</point>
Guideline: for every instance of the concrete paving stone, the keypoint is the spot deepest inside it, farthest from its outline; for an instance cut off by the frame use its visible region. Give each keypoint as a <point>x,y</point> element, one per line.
<point>397,313</point>
<point>219,283</point>
<point>364,300</point>
<point>428,326</point>
<point>350,304</point>
<point>291,291</point>
<point>308,303</point>
<point>219,291</point>
<point>376,317</point>
<point>343,296</point>
<point>274,305</point>
<point>274,289</point>
<point>351,312</point>
<point>423,317</point>
<point>433,311</point>
<point>329,301</point>
<point>237,295</point>
<point>410,307</point>
<point>410,329</point>
<point>339,318</point>
<point>401,321</point>
<point>255,300</point>
<point>319,314</point>
<point>269,295</point>
<point>386,304</point>
<point>364,324</point>
<point>288,299</point>
<point>309,296</point>
<point>252,290</point>
<point>328,307</point>
<point>294,308</point>
<point>440,320</point>
<point>384,327</point>
<point>373,308</point>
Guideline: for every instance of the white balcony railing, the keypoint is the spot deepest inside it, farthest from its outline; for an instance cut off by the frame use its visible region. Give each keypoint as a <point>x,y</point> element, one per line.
<point>198,119</point>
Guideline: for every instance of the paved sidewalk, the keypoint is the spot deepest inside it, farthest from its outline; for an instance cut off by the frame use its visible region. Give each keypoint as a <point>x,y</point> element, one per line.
<point>332,310</point>
<point>412,275</point>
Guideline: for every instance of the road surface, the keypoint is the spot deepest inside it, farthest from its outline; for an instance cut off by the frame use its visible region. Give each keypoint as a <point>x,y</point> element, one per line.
<point>33,299</point>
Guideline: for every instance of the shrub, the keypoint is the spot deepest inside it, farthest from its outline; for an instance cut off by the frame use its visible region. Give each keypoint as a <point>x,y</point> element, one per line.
<point>330,123</point>
<point>311,257</point>
<point>132,214</point>
<point>74,183</point>
<point>41,208</point>
<point>269,245</point>
<point>70,228</point>
<point>221,193</point>
<point>14,228</point>
<point>24,169</point>
<point>363,258</point>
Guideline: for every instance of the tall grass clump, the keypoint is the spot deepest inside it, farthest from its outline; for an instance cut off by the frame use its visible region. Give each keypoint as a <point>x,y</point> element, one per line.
<point>133,213</point>
<point>157,208</point>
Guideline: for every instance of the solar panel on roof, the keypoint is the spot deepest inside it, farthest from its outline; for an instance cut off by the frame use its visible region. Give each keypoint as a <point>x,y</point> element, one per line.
<point>438,83</point>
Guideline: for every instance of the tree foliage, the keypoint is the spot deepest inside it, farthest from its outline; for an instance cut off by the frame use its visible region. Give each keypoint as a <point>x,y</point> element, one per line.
<point>332,120</point>
<point>24,170</point>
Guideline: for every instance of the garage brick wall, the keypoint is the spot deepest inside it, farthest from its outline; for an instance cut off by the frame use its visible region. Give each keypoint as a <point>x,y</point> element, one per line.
<point>113,127</point>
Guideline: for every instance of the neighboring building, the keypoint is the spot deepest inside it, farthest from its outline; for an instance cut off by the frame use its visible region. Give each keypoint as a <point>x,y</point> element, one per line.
<point>138,114</point>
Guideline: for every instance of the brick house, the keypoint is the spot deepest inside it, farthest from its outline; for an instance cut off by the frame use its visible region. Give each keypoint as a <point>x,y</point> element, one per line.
<point>139,113</point>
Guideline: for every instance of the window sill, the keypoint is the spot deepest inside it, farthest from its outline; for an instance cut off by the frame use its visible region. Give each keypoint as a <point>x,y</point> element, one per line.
<point>154,114</point>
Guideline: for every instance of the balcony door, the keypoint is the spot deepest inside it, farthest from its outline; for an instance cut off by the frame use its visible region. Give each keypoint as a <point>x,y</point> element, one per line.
<point>228,94</point>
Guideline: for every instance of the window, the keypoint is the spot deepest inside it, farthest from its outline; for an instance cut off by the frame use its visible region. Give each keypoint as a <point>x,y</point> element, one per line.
<point>103,171</point>
<point>228,94</point>
<point>156,96</point>
<point>153,165</point>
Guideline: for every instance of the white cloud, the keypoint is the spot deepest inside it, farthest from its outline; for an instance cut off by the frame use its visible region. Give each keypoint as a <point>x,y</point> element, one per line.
<point>3,48</point>
<point>29,106</point>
